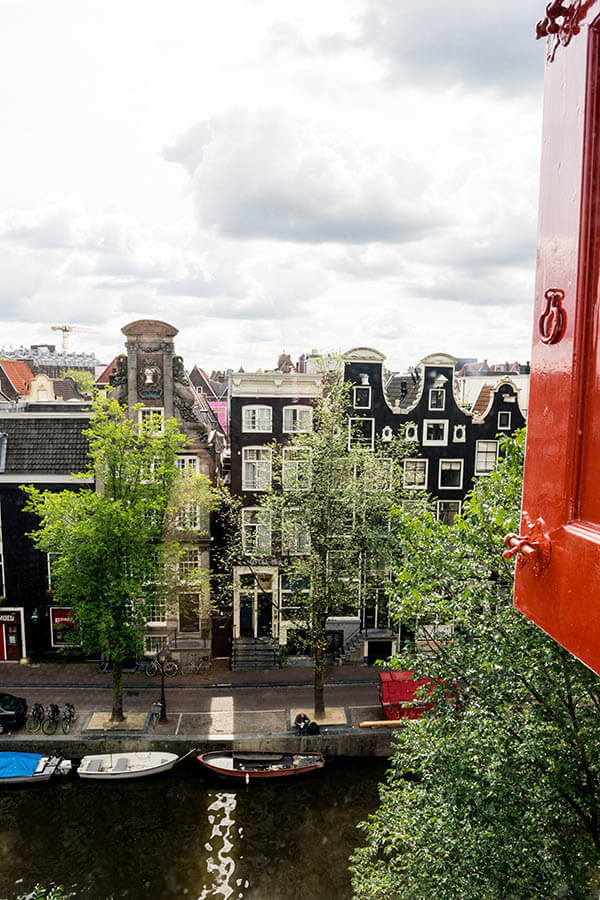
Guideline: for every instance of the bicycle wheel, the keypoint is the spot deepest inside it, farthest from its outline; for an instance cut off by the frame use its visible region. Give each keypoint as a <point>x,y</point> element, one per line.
<point>33,725</point>
<point>151,669</point>
<point>171,668</point>
<point>49,726</point>
<point>66,724</point>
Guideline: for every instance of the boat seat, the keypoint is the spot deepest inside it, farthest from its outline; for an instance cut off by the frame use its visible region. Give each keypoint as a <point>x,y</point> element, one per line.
<point>120,765</point>
<point>94,765</point>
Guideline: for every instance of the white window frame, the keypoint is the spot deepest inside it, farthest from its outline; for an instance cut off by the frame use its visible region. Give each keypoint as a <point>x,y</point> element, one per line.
<point>295,537</point>
<point>437,392</point>
<point>188,563</point>
<point>361,446</point>
<point>154,643</point>
<point>257,426</point>
<point>459,435</point>
<point>261,468</point>
<point>361,387</point>
<point>259,546</point>
<point>187,465</point>
<point>478,452</point>
<point>407,465</point>
<point>292,416</point>
<point>432,442</point>
<point>291,469</point>
<point>378,472</point>
<point>457,502</point>
<point>150,412</point>
<point>411,432</point>
<point>504,412</point>
<point>157,613</point>
<point>192,518</point>
<point>454,487</point>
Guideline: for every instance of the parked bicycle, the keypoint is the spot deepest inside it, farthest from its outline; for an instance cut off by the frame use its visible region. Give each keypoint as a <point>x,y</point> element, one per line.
<point>69,715</point>
<point>50,723</point>
<point>196,665</point>
<point>37,715</point>
<point>170,668</point>
<point>155,713</point>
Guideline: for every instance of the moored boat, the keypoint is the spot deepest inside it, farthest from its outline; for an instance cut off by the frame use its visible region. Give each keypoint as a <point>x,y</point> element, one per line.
<point>248,766</point>
<point>118,766</point>
<point>31,768</point>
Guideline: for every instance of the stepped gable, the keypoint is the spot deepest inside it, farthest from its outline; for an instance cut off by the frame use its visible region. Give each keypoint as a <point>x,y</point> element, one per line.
<point>44,444</point>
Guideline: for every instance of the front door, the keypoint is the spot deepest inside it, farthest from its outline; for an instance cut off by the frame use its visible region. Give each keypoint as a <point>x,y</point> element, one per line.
<point>189,613</point>
<point>10,636</point>
<point>256,613</point>
<point>558,572</point>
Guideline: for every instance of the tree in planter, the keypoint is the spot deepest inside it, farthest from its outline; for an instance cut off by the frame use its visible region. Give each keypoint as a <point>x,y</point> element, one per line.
<point>329,512</point>
<point>106,544</point>
<point>495,793</point>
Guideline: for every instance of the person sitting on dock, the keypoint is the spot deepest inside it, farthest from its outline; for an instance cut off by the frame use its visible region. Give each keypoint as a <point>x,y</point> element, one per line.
<point>301,723</point>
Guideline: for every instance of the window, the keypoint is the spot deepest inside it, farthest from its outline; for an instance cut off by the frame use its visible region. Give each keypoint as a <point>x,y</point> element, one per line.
<point>256,530</point>
<point>377,473</point>
<point>297,419</point>
<point>193,518</point>
<point>362,397</point>
<point>293,596</point>
<point>295,537</point>
<point>189,562</point>
<point>153,418</point>
<point>460,434</point>
<point>296,474</point>
<point>447,510</point>
<point>431,635</point>
<point>435,431</point>
<point>256,468</point>
<point>414,508</point>
<point>486,455</point>
<point>411,433</point>
<point>154,643</point>
<point>451,473</point>
<point>387,434</point>
<point>361,434</point>
<point>257,418</point>
<point>157,614</point>
<point>187,465</point>
<point>504,421</point>
<point>415,474</point>
<point>437,398</point>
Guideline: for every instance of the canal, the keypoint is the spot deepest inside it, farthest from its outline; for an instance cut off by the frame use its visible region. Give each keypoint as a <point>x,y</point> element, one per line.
<point>181,836</point>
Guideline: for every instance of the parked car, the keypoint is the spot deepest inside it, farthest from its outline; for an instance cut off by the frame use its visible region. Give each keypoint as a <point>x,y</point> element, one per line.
<point>13,712</point>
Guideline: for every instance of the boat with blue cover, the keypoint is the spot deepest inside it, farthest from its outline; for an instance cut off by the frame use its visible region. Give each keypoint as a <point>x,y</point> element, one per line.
<point>28,768</point>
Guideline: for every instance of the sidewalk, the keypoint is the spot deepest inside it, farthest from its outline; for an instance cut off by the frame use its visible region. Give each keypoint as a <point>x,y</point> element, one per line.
<point>222,705</point>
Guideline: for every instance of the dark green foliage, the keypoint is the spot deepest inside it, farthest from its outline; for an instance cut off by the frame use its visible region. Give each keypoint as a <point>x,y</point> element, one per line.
<point>503,798</point>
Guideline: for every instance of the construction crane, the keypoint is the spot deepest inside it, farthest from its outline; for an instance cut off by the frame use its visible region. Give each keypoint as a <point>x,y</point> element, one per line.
<point>66,329</point>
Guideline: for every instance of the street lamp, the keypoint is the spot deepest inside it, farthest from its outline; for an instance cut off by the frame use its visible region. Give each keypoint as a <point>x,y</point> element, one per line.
<point>161,659</point>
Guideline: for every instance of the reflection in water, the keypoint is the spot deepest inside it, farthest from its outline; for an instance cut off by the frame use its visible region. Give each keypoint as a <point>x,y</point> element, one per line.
<point>179,836</point>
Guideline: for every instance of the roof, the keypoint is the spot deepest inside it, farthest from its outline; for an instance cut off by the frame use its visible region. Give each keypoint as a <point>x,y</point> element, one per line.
<point>43,444</point>
<point>18,373</point>
<point>111,368</point>
<point>403,390</point>
<point>202,382</point>
<point>66,389</point>
<point>483,399</point>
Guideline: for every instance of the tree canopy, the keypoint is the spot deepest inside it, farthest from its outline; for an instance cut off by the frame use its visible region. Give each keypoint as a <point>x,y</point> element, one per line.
<point>495,792</point>
<point>105,545</point>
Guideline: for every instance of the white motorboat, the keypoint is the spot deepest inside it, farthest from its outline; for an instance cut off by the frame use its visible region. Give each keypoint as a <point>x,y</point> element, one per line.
<point>117,766</point>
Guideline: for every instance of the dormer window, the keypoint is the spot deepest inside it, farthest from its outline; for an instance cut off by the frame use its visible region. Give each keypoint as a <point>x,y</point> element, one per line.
<point>362,397</point>
<point>437,398</point>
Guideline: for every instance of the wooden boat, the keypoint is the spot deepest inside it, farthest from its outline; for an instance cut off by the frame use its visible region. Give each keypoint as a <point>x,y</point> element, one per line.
<point>249,766</point>
<point>118,766</point>
<point>31,768</point>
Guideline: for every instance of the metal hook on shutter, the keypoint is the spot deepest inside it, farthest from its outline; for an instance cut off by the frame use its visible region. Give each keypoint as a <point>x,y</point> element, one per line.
<point>533,548</point>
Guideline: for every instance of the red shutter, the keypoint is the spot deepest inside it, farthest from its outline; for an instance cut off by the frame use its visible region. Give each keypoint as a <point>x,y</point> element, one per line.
<point>558,585</point>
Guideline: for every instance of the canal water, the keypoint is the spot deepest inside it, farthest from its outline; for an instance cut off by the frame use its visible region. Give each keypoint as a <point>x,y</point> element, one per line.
<point>182,836</point>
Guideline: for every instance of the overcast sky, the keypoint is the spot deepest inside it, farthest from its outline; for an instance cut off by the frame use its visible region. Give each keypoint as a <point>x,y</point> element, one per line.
<point>270,175</point>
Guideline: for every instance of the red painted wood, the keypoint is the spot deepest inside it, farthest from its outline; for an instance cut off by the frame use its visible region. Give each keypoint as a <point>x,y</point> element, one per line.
<point>562,469</point>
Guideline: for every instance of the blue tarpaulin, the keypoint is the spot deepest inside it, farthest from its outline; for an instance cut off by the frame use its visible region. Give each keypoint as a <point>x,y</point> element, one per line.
<point>14,765</point>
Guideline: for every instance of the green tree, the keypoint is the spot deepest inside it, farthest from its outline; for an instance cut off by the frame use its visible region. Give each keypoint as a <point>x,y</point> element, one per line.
<point>106,544</point>
<point>495,792</point>
<point>329,510</point>
<point>82,378</point>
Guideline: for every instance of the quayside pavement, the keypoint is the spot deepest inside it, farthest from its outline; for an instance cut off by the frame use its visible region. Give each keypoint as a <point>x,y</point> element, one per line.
<point>221,709</point>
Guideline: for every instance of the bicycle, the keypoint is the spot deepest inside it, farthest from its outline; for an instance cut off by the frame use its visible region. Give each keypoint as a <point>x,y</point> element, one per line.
<point>35,718</point>
<point>155,713</point>
<point>68,717</point>
<point>170,668</point>
<point>50,723</point>
<point>196,665</point>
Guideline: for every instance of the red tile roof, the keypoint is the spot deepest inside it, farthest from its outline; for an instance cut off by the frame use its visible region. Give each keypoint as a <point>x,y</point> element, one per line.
<point>19,374</point>
<point>111,368</point>
<point>483,400</point>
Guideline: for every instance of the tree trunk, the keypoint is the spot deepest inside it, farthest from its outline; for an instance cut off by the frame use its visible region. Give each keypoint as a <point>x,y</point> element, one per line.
<point>117,699</point>
<point>319,651</point>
